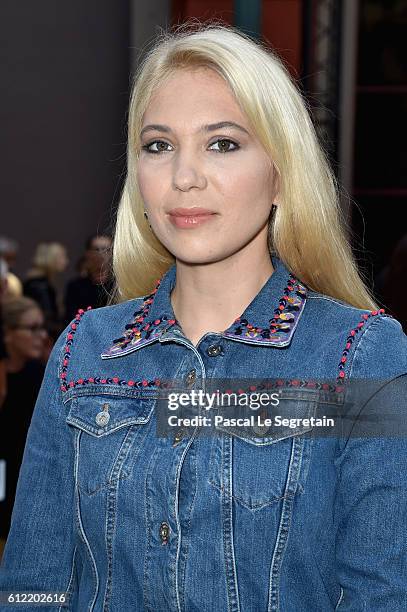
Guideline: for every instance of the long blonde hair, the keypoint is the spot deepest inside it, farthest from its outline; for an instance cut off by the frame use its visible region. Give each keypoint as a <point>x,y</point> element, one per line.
<point>308,232</point>
<point>44,259</point>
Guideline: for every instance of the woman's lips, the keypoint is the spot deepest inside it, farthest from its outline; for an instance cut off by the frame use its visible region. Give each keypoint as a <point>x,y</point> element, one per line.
<point>191,218</point>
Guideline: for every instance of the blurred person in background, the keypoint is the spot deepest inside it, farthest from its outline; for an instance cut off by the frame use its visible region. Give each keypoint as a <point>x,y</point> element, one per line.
<point>94,284</point>
<point>8,252</point>
<point>389,285</point>
<point>24,338</point>
<point>50,259</point>
<point>3,285</point>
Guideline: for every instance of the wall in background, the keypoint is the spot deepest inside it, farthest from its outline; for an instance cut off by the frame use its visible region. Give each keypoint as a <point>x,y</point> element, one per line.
<point>65,88</point>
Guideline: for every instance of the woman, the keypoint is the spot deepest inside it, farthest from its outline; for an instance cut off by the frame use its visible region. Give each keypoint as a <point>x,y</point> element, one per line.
<point>8,254</point>
<point>24,336</point>
<point>50,260</point>
<point>93,286</point>
<point>3,354</point>
<point>257,281</point>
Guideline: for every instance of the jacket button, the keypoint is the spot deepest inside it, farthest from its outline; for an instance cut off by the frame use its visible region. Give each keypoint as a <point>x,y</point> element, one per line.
<point>164,533</point>
<point>178,437</point>
<point>102,418</point>
<point>214,350</point>
<point>191,377</point>
<point>261,430</point>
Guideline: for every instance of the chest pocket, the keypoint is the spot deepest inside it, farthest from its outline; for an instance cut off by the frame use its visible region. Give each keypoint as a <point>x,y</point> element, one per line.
<point>109,435</point>
<point>268,463</point>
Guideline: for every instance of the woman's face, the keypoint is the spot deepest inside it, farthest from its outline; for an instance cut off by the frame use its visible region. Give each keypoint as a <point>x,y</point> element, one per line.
<point>60,259</point>
<point>27,340</point>
<point>98,254</point>
<point>187,161</point>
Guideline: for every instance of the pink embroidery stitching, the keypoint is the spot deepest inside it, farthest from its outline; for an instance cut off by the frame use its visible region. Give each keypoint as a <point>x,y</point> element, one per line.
<point>350,339</point>
<point>284,320</point>
<point>139,330</point>
<point>115,380</point>
<point>69,340</point>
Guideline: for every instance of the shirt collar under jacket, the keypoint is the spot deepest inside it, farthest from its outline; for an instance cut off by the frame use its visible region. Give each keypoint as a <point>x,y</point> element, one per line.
<point>269,320</point>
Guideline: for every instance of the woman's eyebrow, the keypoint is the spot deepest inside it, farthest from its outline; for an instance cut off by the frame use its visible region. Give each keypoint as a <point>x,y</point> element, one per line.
<point>209,127</point>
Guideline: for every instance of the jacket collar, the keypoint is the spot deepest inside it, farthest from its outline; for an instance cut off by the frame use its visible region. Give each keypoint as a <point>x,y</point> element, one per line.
<point>269,320</point>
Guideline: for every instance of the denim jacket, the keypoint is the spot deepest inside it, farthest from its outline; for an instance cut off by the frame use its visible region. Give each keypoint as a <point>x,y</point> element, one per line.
<point>123,520</point>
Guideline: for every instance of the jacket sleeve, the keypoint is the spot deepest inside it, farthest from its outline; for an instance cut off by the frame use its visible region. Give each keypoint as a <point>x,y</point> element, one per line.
<point>371,496</point>
<point>39,552</point>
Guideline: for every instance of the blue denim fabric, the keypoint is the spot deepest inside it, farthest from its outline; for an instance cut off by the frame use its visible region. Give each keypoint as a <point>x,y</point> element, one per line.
<point>126,521</point>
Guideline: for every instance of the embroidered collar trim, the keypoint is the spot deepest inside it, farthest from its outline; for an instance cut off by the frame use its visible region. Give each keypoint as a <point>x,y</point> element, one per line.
<point>281,325</point>
<point>144,330</point>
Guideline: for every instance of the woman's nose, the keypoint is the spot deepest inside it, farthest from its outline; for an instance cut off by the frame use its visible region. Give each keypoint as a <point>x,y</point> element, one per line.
<point>188,173</point>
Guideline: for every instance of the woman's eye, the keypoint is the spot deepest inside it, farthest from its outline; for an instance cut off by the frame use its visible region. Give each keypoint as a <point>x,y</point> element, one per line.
<point>147,148</point>
<point>226,141</point>
<point>224,146</point>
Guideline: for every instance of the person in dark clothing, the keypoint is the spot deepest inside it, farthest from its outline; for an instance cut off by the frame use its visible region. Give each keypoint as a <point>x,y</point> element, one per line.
<point>24,336</point>
<point>389,287</point>
<point>8,254</point>
<point>3,381</point>
<point>95,285</point>
<point>3,353</point>
<point>41,290</point>
<point>50,259</point>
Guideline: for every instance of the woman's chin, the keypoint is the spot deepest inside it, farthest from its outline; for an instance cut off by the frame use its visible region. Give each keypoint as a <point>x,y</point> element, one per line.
<point>34,354</point>
<point>199,258</point>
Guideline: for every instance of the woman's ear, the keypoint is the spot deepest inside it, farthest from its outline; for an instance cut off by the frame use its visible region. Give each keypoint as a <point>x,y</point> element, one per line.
<point>276,184</point>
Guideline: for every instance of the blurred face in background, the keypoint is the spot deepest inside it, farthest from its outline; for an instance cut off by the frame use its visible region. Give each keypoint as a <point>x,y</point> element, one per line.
<point>26,339</point>
<point>98,255</point>
<point>3,277</point>
<point>60,259</point>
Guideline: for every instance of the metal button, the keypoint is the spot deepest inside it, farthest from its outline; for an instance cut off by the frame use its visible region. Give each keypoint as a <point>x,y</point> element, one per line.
<point>178,437</point>
<point>164,532</point>
<point>102,418</point>
<point>261,430</point>
<point>191,377</point>
<point>214,350</point>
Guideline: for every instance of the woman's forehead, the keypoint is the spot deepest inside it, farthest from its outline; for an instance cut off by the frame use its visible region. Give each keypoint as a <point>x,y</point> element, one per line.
<point>189,91</point>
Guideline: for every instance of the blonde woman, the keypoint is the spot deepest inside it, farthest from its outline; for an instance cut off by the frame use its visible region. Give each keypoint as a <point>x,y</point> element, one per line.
<point>24,338</point>
<point>234,269</point>
<point>50,260</point>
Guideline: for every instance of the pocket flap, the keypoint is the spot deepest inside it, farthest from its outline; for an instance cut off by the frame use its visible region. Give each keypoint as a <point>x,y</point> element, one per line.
<point>101,415</point>
<point>293,416</point>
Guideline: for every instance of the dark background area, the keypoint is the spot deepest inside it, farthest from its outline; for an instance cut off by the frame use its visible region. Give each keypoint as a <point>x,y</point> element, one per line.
<point>65,87</point>
<point>380,168</point>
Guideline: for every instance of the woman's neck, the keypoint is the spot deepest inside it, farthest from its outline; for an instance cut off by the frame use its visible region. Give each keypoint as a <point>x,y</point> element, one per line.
<point>210,297</point>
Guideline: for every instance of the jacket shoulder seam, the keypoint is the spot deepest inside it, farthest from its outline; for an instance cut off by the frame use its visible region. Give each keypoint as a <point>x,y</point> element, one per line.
<point>372,324</point>
<point>335,301</point>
